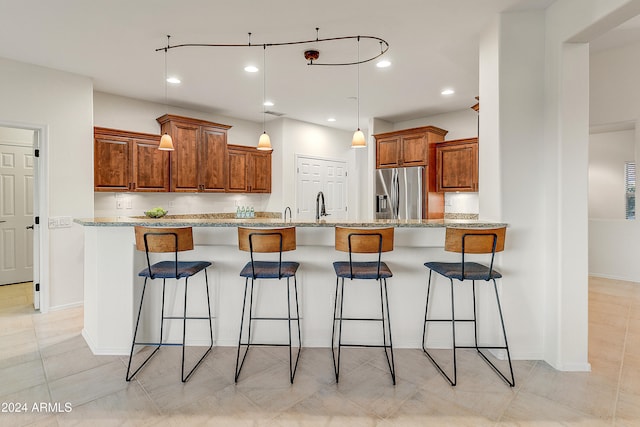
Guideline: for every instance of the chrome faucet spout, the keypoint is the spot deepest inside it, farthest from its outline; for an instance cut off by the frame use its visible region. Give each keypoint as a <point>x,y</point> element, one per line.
<point>320,207</point>
<point>285,214</point>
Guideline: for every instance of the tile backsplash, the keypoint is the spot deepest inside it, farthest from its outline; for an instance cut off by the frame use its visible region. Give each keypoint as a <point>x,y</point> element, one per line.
<point>461,203</point>
<point>133,204</point>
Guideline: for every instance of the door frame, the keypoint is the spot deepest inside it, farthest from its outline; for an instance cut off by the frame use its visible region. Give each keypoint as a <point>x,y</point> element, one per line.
<point>298,156</point>
<point>41,209</point>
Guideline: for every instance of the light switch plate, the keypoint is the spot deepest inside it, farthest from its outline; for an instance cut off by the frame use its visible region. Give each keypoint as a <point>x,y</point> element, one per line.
<point>60,222</point>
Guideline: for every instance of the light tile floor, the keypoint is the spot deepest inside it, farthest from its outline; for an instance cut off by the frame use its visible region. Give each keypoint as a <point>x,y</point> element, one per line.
<point>44,359</point>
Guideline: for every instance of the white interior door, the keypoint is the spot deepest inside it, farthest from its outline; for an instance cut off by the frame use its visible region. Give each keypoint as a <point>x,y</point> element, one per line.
<point>16,213</point>
<point>315,175</point>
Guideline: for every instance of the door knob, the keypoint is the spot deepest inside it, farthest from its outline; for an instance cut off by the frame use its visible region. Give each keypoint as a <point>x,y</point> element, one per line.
<point>29,227</point>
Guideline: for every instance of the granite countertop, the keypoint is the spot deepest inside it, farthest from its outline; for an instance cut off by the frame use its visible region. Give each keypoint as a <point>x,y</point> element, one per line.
<point>229,220</point>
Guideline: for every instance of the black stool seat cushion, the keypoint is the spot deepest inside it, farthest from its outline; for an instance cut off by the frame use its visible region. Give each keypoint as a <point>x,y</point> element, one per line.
<point>472,270</point>
<point>362,270</point>
<point>167,269</point>
<point>269,269</point>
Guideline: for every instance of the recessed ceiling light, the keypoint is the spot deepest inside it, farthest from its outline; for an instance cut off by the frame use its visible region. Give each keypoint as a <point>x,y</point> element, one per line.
<point>173,80</point>
<point>448,92</point>
<point>331,119</point>
<point>268,104</point>
<point>383,64</point>
<point>251,69</point>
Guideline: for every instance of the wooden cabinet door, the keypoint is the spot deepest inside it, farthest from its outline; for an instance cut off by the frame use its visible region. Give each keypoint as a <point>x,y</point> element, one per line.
<point>457,166</point>
<point>260,172</point>
<point>238,181</point>
<point>112,163</point>
<point>150,166</point>
<point>213,163</point>
<point>414,150</point>
<point>388,152</point>
<point>184,160</point>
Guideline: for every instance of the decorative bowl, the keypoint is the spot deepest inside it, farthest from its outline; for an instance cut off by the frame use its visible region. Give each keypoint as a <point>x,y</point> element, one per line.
<point>155,213</point>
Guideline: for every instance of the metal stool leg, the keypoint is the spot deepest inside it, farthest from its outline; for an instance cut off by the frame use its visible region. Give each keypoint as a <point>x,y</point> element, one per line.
<point>292,366</point>
<point>244,303</point>
<point>391,363</point>
<point>512,381</point>
<point>186,377</point>
<point>129,376</point>
<point>453,333</point>
<point>337,312</point>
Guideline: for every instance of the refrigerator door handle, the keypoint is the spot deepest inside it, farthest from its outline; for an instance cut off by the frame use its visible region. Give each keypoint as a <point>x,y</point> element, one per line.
<point>395,193</point>
<point>420,193</point>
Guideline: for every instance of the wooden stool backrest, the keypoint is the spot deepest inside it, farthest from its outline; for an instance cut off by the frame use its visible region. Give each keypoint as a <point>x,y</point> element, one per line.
<point>364,240</point>
<point>474,240</point>
<point>163,239</point>
<point>266,239</point>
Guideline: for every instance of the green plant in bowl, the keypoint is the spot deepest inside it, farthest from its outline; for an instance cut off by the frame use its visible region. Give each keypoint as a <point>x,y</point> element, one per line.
<point>155,213</point>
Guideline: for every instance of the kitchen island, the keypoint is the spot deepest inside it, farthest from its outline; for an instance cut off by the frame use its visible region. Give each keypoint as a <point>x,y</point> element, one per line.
<point>112,288</point>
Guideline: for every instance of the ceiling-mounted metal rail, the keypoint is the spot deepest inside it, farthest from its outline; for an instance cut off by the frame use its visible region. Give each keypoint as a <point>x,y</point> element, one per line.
<point>384,47</point>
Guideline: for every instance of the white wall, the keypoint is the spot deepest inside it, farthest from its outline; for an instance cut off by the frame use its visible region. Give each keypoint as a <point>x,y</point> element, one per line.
<point>460,124</point>
<point>608,152</point>
<point>61,103</point>
<point>511,116</point>
<point>614,99</point>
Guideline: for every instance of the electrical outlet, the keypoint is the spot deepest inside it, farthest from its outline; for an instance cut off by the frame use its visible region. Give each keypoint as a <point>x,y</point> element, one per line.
<point>171,203</point>
<point>119,204</point>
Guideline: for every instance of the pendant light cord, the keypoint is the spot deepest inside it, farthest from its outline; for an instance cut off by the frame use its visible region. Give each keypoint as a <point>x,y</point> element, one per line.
<point>264,87</point>
<point>166,96</point>
<point>358,82</point>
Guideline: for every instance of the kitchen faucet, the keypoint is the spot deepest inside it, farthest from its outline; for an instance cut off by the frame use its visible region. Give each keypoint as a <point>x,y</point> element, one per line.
<point>320,208</point>
<point>285,213</point>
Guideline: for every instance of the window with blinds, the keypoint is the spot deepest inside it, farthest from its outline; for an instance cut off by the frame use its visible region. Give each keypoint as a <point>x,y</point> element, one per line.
<point>630,189</point>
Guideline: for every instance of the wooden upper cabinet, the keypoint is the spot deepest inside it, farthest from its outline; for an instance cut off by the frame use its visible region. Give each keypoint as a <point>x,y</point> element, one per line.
<point>199,162</point>
<point>249,170</point>
<point>213,152</point>
<point>129,161</point>
<point>260,172</point>
<point>414,150</point>
<point>457,165</point>
<point>150,166</point>
<point>406,148</point>
<point>388,152</point>
<point>238,166</point>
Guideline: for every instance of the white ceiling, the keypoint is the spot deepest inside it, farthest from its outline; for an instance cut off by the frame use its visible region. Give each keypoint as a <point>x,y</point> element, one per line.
<point>433,45</point>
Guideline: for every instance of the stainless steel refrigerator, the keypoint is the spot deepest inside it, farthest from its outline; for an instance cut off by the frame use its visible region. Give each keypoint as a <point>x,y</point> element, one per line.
<point>399,193</point>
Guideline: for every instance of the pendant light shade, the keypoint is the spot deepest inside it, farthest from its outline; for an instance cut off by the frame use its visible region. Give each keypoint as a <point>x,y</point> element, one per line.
<point>358,140</point>
<point>264,143</point>
<point>166,143</point>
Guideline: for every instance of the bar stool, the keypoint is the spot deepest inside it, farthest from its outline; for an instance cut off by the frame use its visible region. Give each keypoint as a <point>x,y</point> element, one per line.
<point>166,240</point>
<point>469,241</point>
<point>362,241</point>
<point>276,240</point>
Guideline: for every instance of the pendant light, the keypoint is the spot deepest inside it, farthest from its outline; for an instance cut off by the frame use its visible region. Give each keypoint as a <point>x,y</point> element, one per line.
<point>264,143</point>
<point>166,143</point>
<point>358,140</point>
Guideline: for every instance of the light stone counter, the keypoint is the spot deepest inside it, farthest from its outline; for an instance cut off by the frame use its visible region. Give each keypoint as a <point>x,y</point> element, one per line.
<point>205,220</point>
<point>112,287</point>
